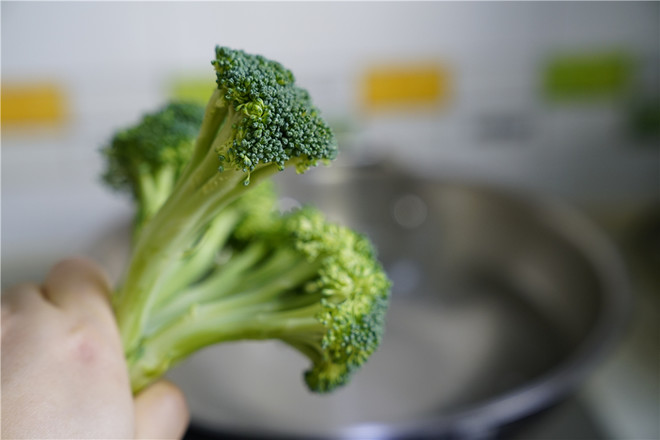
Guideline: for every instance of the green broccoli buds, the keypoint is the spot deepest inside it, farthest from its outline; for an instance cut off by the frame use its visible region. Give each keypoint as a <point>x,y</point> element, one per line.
<point>354,297</point>
<point>147,159</point>
<point>279,121</point>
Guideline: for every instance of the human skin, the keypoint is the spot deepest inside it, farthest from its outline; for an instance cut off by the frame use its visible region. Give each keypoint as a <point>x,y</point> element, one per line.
<point>63,368</point>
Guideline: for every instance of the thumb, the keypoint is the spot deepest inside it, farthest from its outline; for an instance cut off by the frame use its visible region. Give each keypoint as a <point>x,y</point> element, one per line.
<point>160,412</point>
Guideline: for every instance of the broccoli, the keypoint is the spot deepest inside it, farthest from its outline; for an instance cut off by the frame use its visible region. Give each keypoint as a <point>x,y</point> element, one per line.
<point>310,283</point>
<point>213,260</point>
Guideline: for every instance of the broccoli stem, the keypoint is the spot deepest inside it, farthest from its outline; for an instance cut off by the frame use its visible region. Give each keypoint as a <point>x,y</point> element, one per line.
<point>217,284</point>
<point>153,190</point>
<point>200,258</point>
<point>214,115</point>
<point>272,310</point>
<point>241,279</point>
<point>157,245</point>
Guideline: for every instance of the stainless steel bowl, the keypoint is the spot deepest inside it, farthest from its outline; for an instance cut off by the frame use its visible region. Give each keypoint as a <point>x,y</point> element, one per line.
<point>502,304</point>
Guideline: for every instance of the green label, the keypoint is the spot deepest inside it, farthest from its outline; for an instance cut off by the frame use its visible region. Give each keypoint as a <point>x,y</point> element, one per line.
<point>588,76</point>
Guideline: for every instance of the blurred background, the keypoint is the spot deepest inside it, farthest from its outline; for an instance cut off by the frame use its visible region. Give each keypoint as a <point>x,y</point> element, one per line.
<point>558,99</point>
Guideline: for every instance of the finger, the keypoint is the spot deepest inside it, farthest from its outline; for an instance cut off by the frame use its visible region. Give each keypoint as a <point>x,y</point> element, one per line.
<point>161,412</point>
<point>79,286</point>
<point>24,297</point>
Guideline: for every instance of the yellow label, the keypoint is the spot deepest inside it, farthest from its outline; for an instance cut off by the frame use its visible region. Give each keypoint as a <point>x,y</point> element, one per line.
<point>407,86</point>
<point>37,103</point>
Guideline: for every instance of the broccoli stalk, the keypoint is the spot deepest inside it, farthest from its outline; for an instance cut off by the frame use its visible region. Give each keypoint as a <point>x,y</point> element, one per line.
<point>244,218</point>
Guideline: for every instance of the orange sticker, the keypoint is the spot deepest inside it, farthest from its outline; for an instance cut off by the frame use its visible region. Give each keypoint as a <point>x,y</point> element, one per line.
<point>28,104</point>
<point>408,86</point>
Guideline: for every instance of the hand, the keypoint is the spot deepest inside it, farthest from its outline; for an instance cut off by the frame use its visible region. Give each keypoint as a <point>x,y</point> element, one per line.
<point>63,368</point>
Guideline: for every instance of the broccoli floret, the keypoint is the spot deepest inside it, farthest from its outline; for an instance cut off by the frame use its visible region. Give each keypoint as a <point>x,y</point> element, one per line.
<point>259,121</point>
<point>214,261</point>
<point>147,159</point>
<point>312,284</point>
